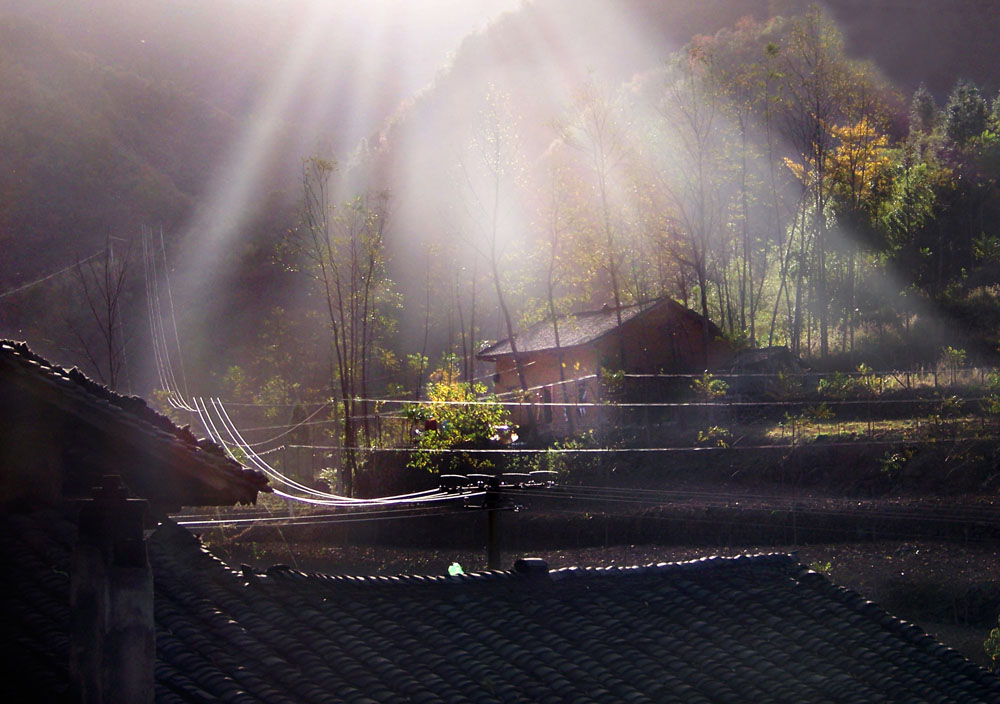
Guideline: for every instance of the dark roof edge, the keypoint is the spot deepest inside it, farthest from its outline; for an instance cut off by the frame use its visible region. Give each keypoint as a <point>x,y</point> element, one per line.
<point>782,562</point>
<point>107,403</point>
<point>904,629</point>
<point>134,405</point>
<point>486,355</point>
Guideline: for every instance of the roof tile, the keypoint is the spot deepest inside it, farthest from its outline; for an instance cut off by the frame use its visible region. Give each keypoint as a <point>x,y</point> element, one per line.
<point>757,628</point>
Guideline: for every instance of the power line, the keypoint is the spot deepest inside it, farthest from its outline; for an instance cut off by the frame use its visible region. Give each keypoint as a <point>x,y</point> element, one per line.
<point>42,280</point>
<point>173,317</point>
<point>325,519</point>
<point>313,496</point>
<point>716,521</point>
<point>954,513</point>
<point>675,448</point>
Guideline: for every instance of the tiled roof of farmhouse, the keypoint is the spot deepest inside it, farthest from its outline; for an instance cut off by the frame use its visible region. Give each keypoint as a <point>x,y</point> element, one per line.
<point>760,628</point>
<point>208,474</point>
<point>579,329</point>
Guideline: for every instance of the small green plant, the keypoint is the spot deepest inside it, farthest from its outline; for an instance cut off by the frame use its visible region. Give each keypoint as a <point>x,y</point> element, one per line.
<point>788,386</point>
<point>563,458</point>
<point>811,415</point>
<point>816,414</point>
<point>892,463</point>
<point>714,436</point>
<point>838,385</point>
<point>992,646</point>
<point>842,386</point>
<point>613,380</point>
<point>867,380</point>
<point>952,360</point>
<point>950,407</point>
<point>821,567</point>
<point>708,388</point>
<point>991,403</point>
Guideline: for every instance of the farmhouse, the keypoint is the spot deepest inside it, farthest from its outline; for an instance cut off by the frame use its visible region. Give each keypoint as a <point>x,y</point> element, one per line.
<point>659,336</point>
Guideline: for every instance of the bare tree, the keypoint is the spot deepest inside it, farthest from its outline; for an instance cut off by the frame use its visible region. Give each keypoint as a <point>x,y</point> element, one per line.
<point>102,281</point>
<point>495,166</point>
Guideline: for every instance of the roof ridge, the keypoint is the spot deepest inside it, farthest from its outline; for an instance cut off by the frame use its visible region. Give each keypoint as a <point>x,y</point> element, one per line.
<point>634,309</point>
<point>86,397</point>
<point>132,404</point>
<point>906,630</point>
<point>781,561</point>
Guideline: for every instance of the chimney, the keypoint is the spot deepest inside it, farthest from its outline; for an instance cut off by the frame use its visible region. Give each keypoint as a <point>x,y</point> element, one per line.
<point>113,646</point>
<point>531,568</point>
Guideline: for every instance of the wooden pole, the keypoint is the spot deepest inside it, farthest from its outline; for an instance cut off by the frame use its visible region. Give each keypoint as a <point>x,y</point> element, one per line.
<point>492,504</point>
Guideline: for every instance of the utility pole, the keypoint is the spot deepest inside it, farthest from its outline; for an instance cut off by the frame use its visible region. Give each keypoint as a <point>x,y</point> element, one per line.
<point>492,503</point>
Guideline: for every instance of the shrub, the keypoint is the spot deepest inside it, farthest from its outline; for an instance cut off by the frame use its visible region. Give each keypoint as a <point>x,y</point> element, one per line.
<point>708,388</point>
<point>462,416</point>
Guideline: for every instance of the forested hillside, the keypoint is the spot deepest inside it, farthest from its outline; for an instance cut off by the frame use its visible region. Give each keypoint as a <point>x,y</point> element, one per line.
<point>547,164</point>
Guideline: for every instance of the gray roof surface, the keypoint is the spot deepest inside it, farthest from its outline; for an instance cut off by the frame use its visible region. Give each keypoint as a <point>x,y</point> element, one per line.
<point>574,329</point>
<point>753,628</point>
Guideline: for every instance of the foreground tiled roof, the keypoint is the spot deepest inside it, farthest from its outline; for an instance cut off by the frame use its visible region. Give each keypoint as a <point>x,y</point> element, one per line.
<point>579,329</point>
<point>133,425</point>
<point>717,630</point>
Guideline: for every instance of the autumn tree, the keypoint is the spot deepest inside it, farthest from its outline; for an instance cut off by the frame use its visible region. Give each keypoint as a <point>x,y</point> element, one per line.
<point>599,133</point>
<point>860,171</point>
<point>464,417</point>
<point>688,160</point>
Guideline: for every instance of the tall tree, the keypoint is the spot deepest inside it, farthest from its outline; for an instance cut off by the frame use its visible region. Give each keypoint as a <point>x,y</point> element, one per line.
<point>924,113</point>
<point>599,132</point>
<point>860,171</point>
<point>491,164</point>
<point>344,251</point>
<point>966,114</point>
<point>815,84</point>
<point>693,170</point>
<point>102,281</point>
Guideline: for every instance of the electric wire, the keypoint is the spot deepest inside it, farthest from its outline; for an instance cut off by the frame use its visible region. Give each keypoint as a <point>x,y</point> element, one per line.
<point>152,312</point>
<point>174,388</point>
<point>851,532</point>
<point>679,404</point>
<point>313,496</point>
<point>161,351</point>
<point>288,427</point>
<point>327,519</point>
<point>45,278</point>
<point>173,316</point>
<point>255,459</point>
<point>800,505</point>
<point>663,449</point>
